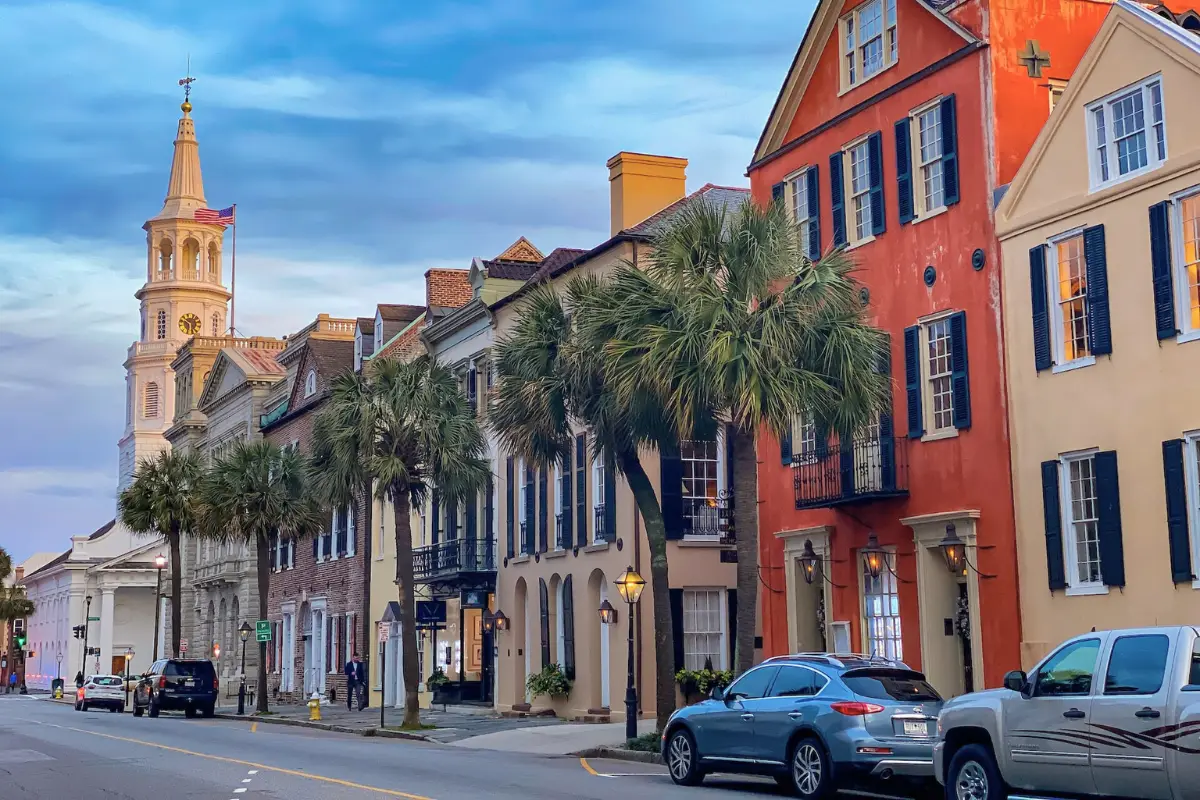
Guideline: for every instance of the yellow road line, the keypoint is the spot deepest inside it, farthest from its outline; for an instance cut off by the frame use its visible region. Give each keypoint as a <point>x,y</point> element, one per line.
<point>254,727</point>
<point>280,770</point>
<point>588,767</point>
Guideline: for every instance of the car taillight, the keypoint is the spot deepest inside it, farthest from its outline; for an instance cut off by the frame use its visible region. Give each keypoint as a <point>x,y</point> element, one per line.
<point>162,682</point>
<point>216,684</point>
<point>853,708</point>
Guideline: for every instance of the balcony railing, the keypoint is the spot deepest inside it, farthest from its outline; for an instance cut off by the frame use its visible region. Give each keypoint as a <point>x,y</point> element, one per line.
<point>457,556</point>
<point>602,533</point>
<point>865,469</point>
<point>559,542</point>
<point>709,517</point>
<point>527,547</point>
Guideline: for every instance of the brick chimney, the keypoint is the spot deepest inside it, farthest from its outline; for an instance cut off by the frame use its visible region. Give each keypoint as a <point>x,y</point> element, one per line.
<point>642,185</point>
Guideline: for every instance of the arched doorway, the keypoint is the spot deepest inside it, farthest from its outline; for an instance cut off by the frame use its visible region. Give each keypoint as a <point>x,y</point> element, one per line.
<point>520,622</point>
<point>600,652</point>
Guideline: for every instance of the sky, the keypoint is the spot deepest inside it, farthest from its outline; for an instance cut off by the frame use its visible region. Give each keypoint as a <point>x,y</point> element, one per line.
<point>364,142</point>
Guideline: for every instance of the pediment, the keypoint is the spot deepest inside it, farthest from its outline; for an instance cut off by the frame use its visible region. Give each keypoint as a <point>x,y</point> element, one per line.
<point>521,250</point>
<point>224,377</point>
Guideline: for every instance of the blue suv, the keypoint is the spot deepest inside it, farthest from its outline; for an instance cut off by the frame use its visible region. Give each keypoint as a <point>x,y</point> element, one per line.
<point>815,722</point>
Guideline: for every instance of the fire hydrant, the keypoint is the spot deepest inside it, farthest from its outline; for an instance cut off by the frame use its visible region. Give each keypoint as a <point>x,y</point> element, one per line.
<point>314,708</point>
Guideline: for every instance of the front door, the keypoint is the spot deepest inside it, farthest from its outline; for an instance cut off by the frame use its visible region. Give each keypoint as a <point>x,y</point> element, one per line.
<point>1049,737</point>
<point>118,665</point>
<point>1133,702</point>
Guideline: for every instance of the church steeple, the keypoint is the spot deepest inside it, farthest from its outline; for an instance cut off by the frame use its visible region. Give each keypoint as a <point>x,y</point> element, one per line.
<point>185,190</point>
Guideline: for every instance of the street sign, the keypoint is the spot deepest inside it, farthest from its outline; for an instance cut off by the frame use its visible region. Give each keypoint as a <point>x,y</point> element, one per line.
<point>262,630</point>
<point>183,645</point>
<point>431,612</point>
<point>93,619</point>
<point>384,632</point>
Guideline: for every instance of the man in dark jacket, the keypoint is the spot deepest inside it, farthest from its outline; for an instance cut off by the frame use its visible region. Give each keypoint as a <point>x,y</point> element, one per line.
<point>356,683</point>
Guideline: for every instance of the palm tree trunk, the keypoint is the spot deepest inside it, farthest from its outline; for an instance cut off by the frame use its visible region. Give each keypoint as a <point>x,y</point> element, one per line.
<point>745,525</point>
<point>263,547</point>
<point>660,587</point>
<point>176,589</point>
<point>408,606</point>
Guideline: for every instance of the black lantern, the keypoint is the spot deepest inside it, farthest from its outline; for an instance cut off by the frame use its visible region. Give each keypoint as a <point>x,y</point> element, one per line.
<point>489,621</point>
<point>608,614</point>
<point>874,556</point>
<point>954,550</point>
<point>809,560</point>
<point>500,621</point>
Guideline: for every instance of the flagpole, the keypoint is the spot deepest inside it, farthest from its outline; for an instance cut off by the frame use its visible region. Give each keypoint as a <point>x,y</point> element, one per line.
<point>233,277</point>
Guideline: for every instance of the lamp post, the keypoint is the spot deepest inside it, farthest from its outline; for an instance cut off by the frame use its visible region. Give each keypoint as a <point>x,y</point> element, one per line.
<point>629,586</point>
<point>160,561</point>
<point>86,614</point>
<point>125,678</point>
<point>244,633</point>
<point>58,668</point>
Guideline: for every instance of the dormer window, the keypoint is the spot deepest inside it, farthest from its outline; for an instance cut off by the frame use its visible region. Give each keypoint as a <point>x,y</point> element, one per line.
<point>868,41</point>
<point>1127,133</point>
<point>310,383</point>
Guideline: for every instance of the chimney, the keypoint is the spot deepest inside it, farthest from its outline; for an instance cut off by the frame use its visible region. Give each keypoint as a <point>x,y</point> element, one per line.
<point>641,185</point>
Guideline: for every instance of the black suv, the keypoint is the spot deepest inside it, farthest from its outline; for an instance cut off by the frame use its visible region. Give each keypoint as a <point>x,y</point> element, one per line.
<point>174,684</point>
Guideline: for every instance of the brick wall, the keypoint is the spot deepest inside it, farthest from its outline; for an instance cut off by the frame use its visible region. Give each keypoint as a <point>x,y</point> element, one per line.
<point>447,287</point>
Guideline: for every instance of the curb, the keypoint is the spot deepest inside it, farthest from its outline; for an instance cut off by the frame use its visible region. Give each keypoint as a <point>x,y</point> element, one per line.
<point>325,726</point>
<point>621,754</point>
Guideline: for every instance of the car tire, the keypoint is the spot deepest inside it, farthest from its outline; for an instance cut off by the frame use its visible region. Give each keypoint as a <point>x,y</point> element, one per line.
<point>209,711</point>
<point>153,710</point>
<point>683,762</point>
<point>973,775</point>
<point>190,712</point>
<point>810,771</point>
<point>83,706</point>
<point>137,710</point>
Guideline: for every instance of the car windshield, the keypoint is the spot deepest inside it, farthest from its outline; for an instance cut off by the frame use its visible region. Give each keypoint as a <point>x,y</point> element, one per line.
<point>891,684</point>
<point>107,681</point>
<point>188,669</point>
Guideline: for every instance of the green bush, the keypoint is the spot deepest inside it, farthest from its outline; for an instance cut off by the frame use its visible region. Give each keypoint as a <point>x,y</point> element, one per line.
<point>550,681</point>
<point>702,681</point>
<point>646,743</point>
<point>437,679</point>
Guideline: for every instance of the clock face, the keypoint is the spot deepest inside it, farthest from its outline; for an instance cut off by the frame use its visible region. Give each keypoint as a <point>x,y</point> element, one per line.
<point>189,324</point>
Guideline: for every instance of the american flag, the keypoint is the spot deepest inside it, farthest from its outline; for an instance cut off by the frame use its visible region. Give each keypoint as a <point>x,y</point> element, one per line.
<point>224,216</point>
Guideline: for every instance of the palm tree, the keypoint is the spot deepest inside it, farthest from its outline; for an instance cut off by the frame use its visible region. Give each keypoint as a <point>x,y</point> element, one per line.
<point>13,602</point>
<point>729,321</point>
<point>550,378</point>
<point>254,493</point>
<point>161,499</point>
<point>404,429</point>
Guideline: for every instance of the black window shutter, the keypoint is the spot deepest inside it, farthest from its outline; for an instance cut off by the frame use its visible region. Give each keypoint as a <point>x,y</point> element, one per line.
<point>568,623</point>
<point>1177,515</point>
<point>1041,307</point>
<point>950,188</point>
<point>846,462</point>
<point>875,173</point>
<point>837,199</point>
<point>677,626</point>
<point>543,511</point>
<point>544,596</point>
<point>904,172</point>
<point>451,521</point>
<point>1160,264</point>
<point>471,514</point>
<point>670,469</point>
<point>813,179</point>
<point>887,429</point>
<point>1108,525</point>
<point>960,378</point>
<point>777,192</point>
<point>530,505</point>
<point>1052,510</point>
<point>785,449</point>
<point>912,381</point>
<point>436,517</point>
<point>567,518</point>
<point>316,543</point>
<point>1099,329</point>
<point>489,509</point>
<point>610,498</point>
<point>509,502</point>
<point>581,514</point>
<point>732,603</point>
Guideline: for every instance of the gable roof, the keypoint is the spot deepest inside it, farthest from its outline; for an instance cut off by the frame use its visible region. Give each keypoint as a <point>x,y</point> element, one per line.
<point>821,28</point>
<point>329,358</point>
<point>49,565</point>
<point>510,270</point>
<point>399,312</point>
<point>521,250</point>
<point>251,363</point>
<point>366,325</point>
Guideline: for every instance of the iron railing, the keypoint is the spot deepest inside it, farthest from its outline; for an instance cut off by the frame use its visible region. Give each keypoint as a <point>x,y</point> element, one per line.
<point>864,469</point>
<point>527,547</point>
<point>601,531</point>
<point>559,543</point>
<point>452,557</point>
<point>710,517</point>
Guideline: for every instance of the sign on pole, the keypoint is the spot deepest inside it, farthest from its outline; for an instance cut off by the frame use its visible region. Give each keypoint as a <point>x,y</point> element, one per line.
<point>183,645</point>
<point>262,630</point>
<point>384,632</point>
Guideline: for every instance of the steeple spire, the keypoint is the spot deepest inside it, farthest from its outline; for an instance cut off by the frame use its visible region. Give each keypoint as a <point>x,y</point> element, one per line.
<point>185,190</point>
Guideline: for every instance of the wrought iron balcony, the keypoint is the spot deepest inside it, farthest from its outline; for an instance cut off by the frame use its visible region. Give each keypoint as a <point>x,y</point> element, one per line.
<point>454,559</point>
<point>527,548</point>
<point>601,532</point>
<point>559,544</point>
<point>709,517</point>
<point>868,468</point>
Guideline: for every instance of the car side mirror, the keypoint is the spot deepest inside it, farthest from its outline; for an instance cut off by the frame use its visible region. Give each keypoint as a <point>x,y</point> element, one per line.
<point>1016,681</point>
<point>718,693</point>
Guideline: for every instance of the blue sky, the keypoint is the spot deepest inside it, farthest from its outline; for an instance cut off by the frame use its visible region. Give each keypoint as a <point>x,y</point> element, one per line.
<point>363,142</point>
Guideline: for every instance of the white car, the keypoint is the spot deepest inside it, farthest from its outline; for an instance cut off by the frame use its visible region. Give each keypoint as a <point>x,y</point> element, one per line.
<point>101,691</point>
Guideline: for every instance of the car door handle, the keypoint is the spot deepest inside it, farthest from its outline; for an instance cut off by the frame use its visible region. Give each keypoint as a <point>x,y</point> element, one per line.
<point>1074,713</point>
<point>795,714</point>
<point>748,717</point>
<point>1148,713</point>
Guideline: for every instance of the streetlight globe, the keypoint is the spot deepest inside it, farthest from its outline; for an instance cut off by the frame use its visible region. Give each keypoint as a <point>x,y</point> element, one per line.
<point>160,561</point>
<point>244,631</point>
<point>630,585</point>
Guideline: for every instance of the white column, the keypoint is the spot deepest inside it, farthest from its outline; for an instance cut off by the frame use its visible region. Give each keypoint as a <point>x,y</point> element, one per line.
<point>107,621</point>
<point>163,623</point>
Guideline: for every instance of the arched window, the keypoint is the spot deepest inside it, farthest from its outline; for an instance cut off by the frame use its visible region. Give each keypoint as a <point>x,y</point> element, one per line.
<point>150,400</point>
<point>164,260</point>
<point>191,260</point>
<point>214,262</point>
<point>310,383</point>
<point>216,324</point>
<point>162,325</point>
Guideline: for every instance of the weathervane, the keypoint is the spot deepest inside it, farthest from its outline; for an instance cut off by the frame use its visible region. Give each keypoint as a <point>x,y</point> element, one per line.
<point>186,83</point>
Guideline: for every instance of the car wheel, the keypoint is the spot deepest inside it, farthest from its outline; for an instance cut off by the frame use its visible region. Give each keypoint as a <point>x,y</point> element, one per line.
<point>209,711</point>
<point>137,710</point>
<point>682,759</point>
<point>189,712</point>
<point>810,773</point>
<point>973,775</point>
<point>153,708</point>
<point>83,706</point>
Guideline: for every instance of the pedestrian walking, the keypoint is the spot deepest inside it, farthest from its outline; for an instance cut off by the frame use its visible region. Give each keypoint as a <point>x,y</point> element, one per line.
<point>12,682</point>
<point>356,683</point>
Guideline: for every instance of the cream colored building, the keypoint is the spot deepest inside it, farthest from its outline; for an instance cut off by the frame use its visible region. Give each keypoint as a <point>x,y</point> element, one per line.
<point>1100,231</point>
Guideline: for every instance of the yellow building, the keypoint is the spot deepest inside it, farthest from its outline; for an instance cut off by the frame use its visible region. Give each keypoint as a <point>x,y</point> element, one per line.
<point>1100,232</point>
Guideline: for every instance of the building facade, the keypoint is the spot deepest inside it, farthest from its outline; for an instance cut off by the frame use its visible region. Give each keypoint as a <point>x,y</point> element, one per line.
<point>1101,237</point>
<point>896,122</point>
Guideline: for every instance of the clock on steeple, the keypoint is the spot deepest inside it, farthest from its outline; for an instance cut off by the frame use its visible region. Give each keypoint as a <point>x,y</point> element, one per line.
<point>189,324</point>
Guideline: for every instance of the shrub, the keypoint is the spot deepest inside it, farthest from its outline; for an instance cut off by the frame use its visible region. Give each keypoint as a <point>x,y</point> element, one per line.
<point>550,681</point>
<point>437,679</point>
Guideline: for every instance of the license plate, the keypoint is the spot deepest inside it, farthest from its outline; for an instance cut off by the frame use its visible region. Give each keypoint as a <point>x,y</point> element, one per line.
<point>915,728</point>
<point>188,682</point>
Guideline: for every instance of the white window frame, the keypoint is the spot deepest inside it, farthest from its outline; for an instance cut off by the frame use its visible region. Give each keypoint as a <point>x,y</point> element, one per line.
<point>1179,278</point>
<point>722,468</point>
<point>921,211</point>
<point>310,383</point>
<point>598,478</point>
<point>1057,329</point>
<point>1057,87</point>
<point>806,440</point>
<point>522,535</point>
<point>722,661</point>
<point>797,189</point>
<point>890,586</point>
<point>350,530</point>
<point>852,66</point>
<point>424,515</point>
<point>558,507</point>
<point>932,432</point>
<point>1191,471</point>
<point>1104,153</point>
<point>1075,586</point>
<point>853,239</point>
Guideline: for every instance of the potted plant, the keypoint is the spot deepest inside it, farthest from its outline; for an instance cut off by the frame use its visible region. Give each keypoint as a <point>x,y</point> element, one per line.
<point>444,691</point>
<point>697,684</point>
<point>550,681</point>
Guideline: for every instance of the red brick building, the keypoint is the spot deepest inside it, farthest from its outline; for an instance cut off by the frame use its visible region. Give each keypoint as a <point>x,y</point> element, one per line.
<point>897,123</point>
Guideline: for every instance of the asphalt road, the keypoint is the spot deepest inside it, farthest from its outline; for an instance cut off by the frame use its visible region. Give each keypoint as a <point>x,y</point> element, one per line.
<point>50,752</point>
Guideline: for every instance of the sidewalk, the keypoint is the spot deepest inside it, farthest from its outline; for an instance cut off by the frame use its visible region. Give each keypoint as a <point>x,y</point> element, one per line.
<point>564,739</point>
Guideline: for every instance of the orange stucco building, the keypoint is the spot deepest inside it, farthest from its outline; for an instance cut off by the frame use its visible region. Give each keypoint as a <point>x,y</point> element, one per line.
<point>896,124</point>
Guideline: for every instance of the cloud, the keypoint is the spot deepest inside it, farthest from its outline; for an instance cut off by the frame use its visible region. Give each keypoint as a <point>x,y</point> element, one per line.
<point>59,481</point>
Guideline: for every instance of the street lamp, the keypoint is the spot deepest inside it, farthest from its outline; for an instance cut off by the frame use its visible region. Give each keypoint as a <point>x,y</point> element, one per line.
<point>244,633</point>
<point>608,614</point>
<point>874,556</point>
<point>629,585</point>
<point>160,562</point>
<point>500,620</point>
<point>489,621</point>
<point>125,679</point>
<point>86,616</point>
<point>953,551</point>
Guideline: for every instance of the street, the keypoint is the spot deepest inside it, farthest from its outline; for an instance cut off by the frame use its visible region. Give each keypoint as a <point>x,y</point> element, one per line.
<point>50,752</point>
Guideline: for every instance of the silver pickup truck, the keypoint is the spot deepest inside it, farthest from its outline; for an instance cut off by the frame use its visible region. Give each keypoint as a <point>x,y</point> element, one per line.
<point>1106,714</point>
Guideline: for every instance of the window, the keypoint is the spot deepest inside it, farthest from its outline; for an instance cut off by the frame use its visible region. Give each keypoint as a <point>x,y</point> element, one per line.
<point>1081,521</point>
<point>1137,665</point>
<point>753,684</point>
<point>1057,88</point>
<point>806,440</point>
<point>927,152</point>
<point>214,262</point>
<point>150,400</point>
<point>558,507</point>
<point>797,682</point>
<point>1069,671</point>
<point>868,41</point>
<point>1194,670</point>
<point>310,383</point>
<point>801,191</point>
<point>859,184</point>
<point>1186,210</point>
<point>892,684</point>
<point>161,326</point>
<point>881,613</point>
<point>339,529</point>
<point>1068,274</point>
<point>216,324</point>
<point>701,467</point>
<point>598,495</point>
<point>472,388</point>
<point>702,630</point>
<point>1127,133</point>
<point>938,375</point>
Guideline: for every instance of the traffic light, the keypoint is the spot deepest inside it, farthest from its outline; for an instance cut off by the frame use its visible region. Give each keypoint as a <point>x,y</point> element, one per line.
<point>78,631</point>
<point>21,639</point>
<point>216,650</point>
